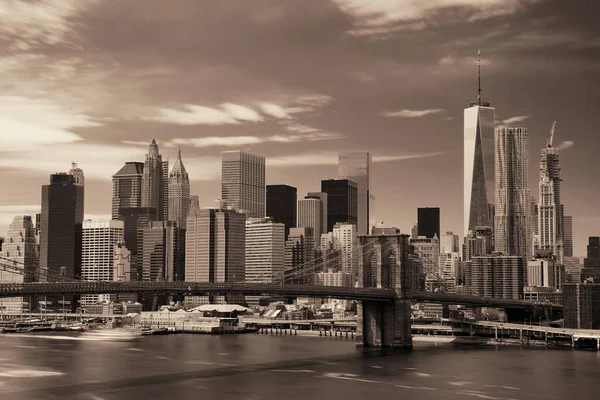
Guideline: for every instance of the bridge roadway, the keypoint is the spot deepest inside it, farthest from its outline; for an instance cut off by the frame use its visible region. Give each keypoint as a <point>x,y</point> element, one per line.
<point>220,289</point>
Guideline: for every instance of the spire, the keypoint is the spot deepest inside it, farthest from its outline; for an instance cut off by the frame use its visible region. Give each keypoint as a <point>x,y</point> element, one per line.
<point>478,76</point>
<point>179,153</point>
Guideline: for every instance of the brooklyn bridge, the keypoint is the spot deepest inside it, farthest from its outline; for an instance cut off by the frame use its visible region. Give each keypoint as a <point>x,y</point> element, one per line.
<point>384,292</point>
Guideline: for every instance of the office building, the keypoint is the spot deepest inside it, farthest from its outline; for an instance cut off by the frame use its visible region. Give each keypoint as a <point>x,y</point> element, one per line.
<point>342,202</point>
<point>215,251</point>
<point>542,272</point>
<point>179,193</point>
<point>567,236</point>
<point>384,231</point>
<point>549,206</point>
<point>543,295</point>
<point>18,246</point>
<point>323,198</point>
<point>414,231</point>
<point>310,212</point>
<point>479,180</point>
<point>194,204</point>
<point>511,230</point>
<point>135,219</point>
<point>79,182</point>
<point>161,252</point>
<point>61,224</point>
<point>265,251</point>
<point>573,269</point>
<point>428,222</point>
<point>127,188</point>
<point>299,262</point>
<point>497,276</point>
<point>332,277</point>
<point>243,182</point>
<point>155,182</point>
<point>356,167</point>
<point>450,265</point>
<point>281,205</point>
<point>591,263</point>
<point>581,305</point>
<point>99,239</point>
<point>479,243</point>
<point>121,262</point>
<point>428,249</point>
<point>345,240</point>
<point>449,243</point>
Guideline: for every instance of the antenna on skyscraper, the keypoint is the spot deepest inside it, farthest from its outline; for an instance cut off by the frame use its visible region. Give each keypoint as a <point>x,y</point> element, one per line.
<point>478,76</point>
<point>551,134</point>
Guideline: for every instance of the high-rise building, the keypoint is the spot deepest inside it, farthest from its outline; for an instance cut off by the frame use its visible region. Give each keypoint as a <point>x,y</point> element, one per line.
<point>99,239</point>
<point>19,246</point>
<point>323,198</point>
<point>179,193</point>
<point>345,239</point>
<point>265,251</point>
<point>549,207</point>
<point>161,252</point>
<point>79,182</point>
<point>541,272</point>
<point>449,243</point>
<point>356,167</point>
<point>299,263</point>
<point>215,250</point>
<point>281,205</point>
<point>127,188</point>
<point>479,189</point>
<point>511,231</point>
<point>155,182</point>
<point>121,263</point>
<point>61,224</point>
<point>428,222</point>
<point>309,216</point>
<point>591,263</point>
<point>342,202</point>
<point>568,236</point>
<point>194,204</point>
<point>243,182</point>
<point>497,276</point>
<point>135,219</point>
<point>581,303</point>
<point>428,249</point>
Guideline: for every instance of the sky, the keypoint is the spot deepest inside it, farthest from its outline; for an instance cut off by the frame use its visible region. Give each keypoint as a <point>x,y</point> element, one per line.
<point>93,81</point>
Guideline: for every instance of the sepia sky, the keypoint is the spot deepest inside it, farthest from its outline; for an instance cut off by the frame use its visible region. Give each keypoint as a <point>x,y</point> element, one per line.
<point>93,81</point>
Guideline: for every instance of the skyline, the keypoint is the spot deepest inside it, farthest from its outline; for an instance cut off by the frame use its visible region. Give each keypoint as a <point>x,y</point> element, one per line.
<point>296,83</point>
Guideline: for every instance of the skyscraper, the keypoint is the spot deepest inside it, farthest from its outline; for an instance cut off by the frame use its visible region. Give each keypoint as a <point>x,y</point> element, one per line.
<point>179,193</point>
<point>20,246</point>
<point>155,182</point>
<point>243,182</point>
<point>356,166</point>
<point>99,239</point>
<point>549,207</point>
<point>299,262</point>
<point>324,204</point>
<point>79,182</point>
<point>194,204</point>
<point>346,240</point>
<point>309,216</point>
<point>127,188</point>
<point>568,236</point>
<point>591,263</point>
<point>512,234</point>
<point>428,222</point>
<point>161,252</point>
<point>265,249</point>
<point>497,276</point>
<point>479,124</point>
<point>215,249</point>
<point>342,201</point>
<point>281,205</point>
<point>449,243</point>
<point>60,235</point>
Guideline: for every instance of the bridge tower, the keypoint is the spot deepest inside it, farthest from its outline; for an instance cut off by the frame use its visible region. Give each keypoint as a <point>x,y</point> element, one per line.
<point>384,263</point>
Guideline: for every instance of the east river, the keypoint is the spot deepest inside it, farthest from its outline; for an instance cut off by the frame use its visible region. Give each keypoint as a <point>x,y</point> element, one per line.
<point>262,367</point>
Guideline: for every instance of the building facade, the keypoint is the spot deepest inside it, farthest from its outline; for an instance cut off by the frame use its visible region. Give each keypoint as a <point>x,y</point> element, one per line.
<point>99,239</point>
<point>356,167</point>
<point>127,188</point>
<point>512,235</point>
<point>179,193</point>
<point>542,272</point>
<point>309,216</point>
<point>19,246</point>
<point>299,262</point>
<point>567,236</point>
<point>449,243</point>
<point>161,252</point>
<point>243,182</point>
<point>497,276</point>
<point>155,182</point>
<point>345,240</point>
<point>281,205</point>
<point>342,202</point>
<point>428,249</point>
<point>265,251</point>
<point>581,305</point>
<point>322,197</point>
<point>428,222</point>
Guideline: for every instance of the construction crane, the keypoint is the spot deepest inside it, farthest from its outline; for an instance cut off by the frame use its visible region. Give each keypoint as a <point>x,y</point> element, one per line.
<point>551,134</point>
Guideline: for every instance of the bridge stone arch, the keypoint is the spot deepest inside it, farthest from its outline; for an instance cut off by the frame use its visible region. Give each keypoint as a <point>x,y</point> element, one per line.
<point>384,264</point>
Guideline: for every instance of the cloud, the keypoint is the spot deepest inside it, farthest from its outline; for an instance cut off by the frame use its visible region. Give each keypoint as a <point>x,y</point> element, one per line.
<point>241,113</point>
<point>274,110</point>
<point>28,23</point>
<point>29,123</point>
<point>565,145</point>
<point>8,212</point>
<point>518,118</point>
<point>194,115</point>
<point>406,113</point>
<point>331,158</point>
<point>401,157</point>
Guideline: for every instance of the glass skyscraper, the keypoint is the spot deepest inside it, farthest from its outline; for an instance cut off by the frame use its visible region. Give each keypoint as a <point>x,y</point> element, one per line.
<point>356,166</point>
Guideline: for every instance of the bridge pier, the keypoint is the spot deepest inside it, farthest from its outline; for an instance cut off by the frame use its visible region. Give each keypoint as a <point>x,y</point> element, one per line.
<point>384,324</point>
